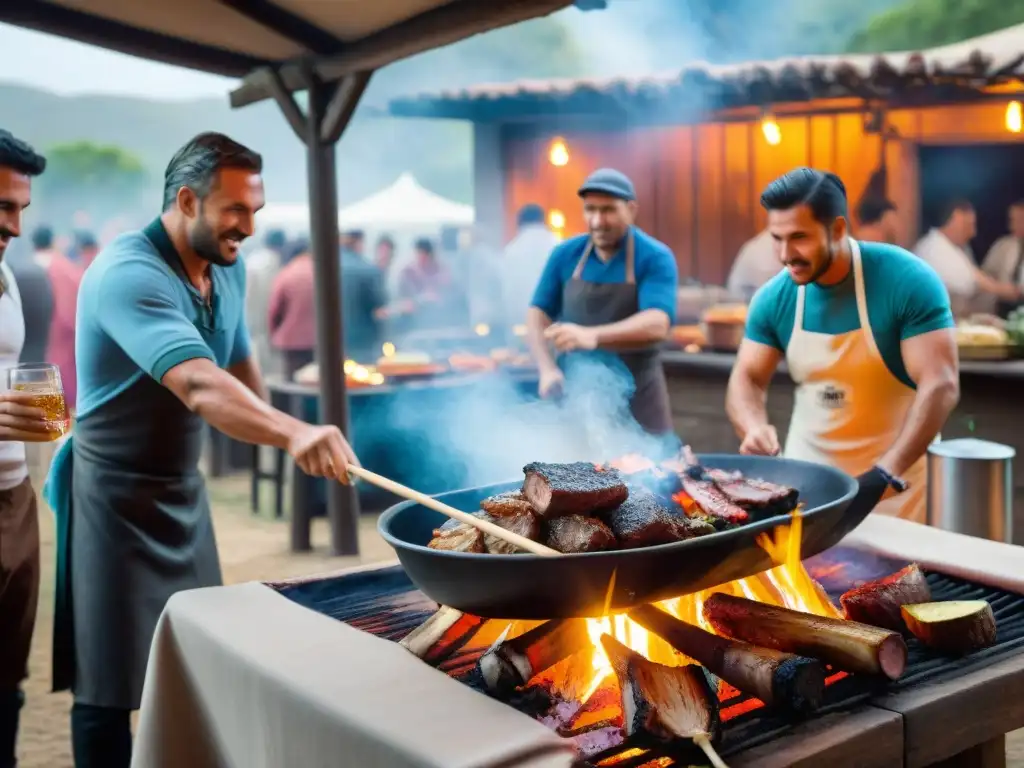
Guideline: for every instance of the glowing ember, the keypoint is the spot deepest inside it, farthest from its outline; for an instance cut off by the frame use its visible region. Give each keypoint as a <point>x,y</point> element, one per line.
<point>788,585</point>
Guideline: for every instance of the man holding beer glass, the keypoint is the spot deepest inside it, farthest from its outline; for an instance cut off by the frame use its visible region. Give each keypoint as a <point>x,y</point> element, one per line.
<point>162,347</point>
<point>23,419</point>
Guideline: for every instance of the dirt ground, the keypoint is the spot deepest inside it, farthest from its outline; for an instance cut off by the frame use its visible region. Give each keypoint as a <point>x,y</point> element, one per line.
<point>252,548</point>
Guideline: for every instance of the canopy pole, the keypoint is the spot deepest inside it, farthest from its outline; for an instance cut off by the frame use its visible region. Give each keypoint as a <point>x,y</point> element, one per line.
<point>342,500</point>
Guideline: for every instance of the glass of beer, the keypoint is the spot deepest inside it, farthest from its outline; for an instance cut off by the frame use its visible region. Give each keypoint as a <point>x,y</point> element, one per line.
<point>43,381</point>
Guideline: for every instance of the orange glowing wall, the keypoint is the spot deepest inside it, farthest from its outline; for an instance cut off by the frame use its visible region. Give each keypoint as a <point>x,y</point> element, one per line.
<point>699,185</point>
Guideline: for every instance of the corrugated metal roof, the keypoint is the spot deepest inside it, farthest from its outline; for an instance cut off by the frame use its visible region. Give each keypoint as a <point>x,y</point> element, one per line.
<point>991,59</point>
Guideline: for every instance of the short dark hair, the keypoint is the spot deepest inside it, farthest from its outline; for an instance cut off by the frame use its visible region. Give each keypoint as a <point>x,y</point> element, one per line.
<point>821,191</point>
<point>872,209</point>
<point>275,238</point>
<point>423,244</point>
<point>16,154</point>
<point>196,164</point>
<point>42,238</point>
<point>296,247</point>
<point>1017,203</point>
<point>85,239</point>
<point>531,213</point>
<point>953,205</point>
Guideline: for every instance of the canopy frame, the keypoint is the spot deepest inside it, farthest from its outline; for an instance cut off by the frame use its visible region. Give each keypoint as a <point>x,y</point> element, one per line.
<point>335,74</point>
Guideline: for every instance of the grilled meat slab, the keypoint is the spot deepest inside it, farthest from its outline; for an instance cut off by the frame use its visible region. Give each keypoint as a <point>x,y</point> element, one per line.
<point>575,533</point>
<point>555,490</point>
<point>460,538</point>
<point>642,521</point>
<point>878,603</point>
<point>710,498</point>
<point>756,495</point>
<point>508,503</point>
<point>525,524</point>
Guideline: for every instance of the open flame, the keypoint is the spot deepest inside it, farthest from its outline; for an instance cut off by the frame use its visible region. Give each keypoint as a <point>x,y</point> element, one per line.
<point>788,585</point>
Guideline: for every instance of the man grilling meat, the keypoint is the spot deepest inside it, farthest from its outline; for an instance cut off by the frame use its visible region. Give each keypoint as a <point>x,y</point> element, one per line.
<point>608,295</point>
<point>866,330</point>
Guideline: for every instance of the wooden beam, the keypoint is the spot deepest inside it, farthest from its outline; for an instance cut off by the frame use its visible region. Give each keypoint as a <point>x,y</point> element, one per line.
<point>286,101</point>
<point>435,28</point>
<point>88,28</point>
<point>283,22</point>
<point>863,737</point>
<point>945,718</point>
<point>343,105</point>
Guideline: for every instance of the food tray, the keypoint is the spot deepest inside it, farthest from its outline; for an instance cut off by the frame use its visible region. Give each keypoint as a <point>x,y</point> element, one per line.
<point>991,352</point>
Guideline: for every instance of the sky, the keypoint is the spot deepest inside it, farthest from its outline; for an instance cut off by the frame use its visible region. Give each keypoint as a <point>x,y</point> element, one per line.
<point>45,62</point>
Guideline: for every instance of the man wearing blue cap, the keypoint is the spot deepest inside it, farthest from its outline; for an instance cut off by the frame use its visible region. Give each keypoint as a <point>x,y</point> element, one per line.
<point>614,290</point>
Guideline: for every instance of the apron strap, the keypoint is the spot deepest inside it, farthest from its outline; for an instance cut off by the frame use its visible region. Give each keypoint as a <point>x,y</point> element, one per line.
<point>862,298</point>
<point>578,272</point>
<point>630,258</point>
<point>798,320</point>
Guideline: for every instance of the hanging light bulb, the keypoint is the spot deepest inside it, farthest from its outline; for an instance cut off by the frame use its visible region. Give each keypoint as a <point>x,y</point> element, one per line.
<point>559,153</point>
<point>1014,117</point>
<point>556,220</point>
<point>770,129</point>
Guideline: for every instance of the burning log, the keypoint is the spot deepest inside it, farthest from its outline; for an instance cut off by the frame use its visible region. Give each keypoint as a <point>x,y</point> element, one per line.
<point>512,663</point>
<point>779,679</point>
<point>955,627</point>
<point>665,703</point>
<point>847,645</point>
<point>445,632</point>
<point>878,602</point>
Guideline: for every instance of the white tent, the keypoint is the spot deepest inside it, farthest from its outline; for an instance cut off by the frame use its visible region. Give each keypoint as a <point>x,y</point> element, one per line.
<point>405,205</point>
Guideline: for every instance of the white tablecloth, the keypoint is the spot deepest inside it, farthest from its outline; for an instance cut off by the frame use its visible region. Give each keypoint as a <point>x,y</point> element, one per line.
<point>987,562</point>
<point>242,677</point>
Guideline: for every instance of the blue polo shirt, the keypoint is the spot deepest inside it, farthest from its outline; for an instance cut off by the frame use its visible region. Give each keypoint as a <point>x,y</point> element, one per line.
<point>657,276</point>
<point>138,316</point>
<point>905,298</point>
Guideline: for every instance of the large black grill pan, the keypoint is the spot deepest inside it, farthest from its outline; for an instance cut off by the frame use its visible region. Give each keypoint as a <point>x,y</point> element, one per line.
<point>532,587</point>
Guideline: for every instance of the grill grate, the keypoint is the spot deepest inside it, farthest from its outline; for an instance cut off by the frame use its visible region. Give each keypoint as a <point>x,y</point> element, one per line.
<point>385,603</point>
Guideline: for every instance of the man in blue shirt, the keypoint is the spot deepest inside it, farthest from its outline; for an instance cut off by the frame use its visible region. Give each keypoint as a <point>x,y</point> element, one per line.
<point>162,347</point>
<point>866,331</point>
<point>612,290</point>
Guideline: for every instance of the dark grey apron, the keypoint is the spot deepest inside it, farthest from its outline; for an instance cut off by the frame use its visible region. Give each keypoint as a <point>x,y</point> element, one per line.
<point>140,531</point>
<point>588,304</point>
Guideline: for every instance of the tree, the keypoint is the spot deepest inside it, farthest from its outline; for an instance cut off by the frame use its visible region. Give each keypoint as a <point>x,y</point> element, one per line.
<point>919,24</point>
<point>101,181</point>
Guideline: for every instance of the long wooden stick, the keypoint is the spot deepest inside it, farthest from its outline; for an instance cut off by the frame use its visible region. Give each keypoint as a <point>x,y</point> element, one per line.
<point>486,526</point>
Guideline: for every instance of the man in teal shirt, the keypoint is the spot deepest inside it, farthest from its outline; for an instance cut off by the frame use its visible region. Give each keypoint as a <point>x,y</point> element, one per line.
<point>866,331</point>
<point>162,347</point>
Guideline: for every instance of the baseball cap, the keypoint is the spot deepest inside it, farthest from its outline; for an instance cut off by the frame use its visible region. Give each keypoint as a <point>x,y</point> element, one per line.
<point>608,181</point>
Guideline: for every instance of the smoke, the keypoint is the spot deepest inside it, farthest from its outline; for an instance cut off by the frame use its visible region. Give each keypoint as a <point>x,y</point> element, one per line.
<point>467,435</point>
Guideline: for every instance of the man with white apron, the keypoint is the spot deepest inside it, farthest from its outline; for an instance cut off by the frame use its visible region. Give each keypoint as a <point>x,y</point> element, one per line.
<point>866,331</point>
<point>608,296</point>
<point>162,348</point>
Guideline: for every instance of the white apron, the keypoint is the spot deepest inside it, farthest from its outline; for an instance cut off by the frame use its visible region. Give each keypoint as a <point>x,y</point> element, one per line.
<point>849,408</point>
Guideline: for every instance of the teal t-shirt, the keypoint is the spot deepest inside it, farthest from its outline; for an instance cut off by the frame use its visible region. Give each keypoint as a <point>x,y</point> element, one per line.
<point>137,316</point>
<point>905,298</point>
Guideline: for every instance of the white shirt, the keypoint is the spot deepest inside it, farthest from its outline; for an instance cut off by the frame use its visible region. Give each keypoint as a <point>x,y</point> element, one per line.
<point>523,262</point>
<point>1003,260</point>
<point>954,265</point>
<point>260,269</point>
<point>13,469</point>
<point>755,265</point>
